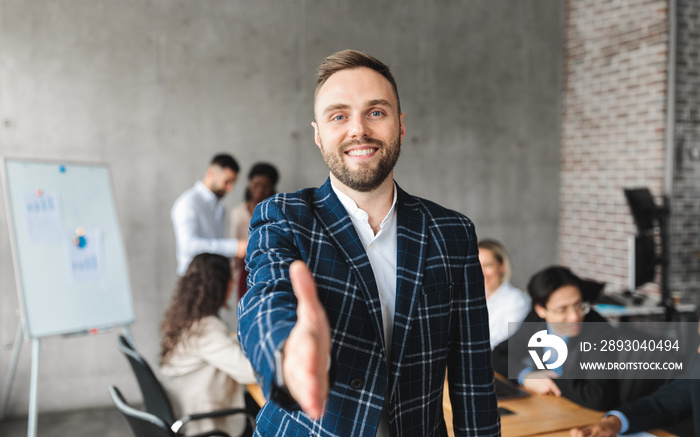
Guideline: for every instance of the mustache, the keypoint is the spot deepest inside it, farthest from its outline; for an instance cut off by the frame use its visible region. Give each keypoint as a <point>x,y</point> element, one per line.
<point>360,142</point>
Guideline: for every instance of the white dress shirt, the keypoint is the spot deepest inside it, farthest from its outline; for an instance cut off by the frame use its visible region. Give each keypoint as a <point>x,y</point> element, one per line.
<point>506,304</point>
<point>381,251</point>
<point>199,221</point>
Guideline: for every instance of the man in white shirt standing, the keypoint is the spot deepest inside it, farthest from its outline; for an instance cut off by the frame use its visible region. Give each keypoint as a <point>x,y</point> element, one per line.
<point>199,218</point>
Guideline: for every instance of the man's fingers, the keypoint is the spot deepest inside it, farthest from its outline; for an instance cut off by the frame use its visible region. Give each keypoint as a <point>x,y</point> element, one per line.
<point>303,283</point>
<point>304,383</point>
<point>308,347</point>
<point>553,388</point>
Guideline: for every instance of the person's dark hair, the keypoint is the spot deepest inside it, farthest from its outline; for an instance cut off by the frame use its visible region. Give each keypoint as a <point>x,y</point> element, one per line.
<point>224,160</point>
<point>545,282</point>
<point>200,292</point>
<point>265,169</point>
<point>262,169</point>
<point>350,59</point>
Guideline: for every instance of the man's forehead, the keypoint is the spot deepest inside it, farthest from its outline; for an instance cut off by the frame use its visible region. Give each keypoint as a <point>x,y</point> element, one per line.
<point>349,85</point>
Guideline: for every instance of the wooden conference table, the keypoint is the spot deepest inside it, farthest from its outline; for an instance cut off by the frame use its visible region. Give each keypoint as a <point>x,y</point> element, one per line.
<point>538,415</point>
<point>535,415</point>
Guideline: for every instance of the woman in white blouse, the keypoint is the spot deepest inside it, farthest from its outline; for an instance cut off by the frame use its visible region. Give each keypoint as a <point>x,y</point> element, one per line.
<point>505,302</point>
<point>202,363</point>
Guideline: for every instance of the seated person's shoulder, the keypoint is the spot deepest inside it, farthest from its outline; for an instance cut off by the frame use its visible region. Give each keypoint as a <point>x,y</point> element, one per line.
<point>594,316</point>
<point>514,295</point>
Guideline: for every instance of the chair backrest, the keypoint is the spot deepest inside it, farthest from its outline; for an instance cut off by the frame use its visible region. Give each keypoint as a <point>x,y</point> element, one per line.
<point>154,396</point>
<point>143,424</point>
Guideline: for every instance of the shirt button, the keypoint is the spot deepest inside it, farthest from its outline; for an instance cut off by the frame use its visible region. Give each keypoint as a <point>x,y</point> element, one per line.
<point>371,246</point>
<point>357,383</point>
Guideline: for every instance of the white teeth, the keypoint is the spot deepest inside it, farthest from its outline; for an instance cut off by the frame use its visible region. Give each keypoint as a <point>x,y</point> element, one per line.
<point>360,152</point>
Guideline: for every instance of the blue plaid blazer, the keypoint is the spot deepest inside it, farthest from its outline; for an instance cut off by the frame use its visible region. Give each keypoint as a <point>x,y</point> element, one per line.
<point>441,321</point>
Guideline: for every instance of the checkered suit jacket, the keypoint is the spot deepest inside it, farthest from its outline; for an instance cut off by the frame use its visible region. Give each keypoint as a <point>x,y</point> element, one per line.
<point>440,319</point>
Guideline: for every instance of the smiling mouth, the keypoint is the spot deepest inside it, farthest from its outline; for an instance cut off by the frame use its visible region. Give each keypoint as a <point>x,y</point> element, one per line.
<point>361,152</point>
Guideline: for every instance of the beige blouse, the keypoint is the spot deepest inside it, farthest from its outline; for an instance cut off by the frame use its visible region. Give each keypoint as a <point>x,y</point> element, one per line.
<point>209,372</point>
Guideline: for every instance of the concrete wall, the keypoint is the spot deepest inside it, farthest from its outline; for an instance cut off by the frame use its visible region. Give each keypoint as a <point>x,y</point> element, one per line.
<point>155,88</point>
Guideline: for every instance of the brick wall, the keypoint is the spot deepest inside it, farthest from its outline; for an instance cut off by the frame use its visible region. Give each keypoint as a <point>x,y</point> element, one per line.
<point>685,202</point>
<point>613,128</point>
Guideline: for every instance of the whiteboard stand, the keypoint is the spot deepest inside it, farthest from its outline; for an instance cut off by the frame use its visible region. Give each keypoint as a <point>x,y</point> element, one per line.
<point>55,209</point>
<point>32,416</point>
<point>33,382</point>
<point>33,388</point>
<point>11,374</point>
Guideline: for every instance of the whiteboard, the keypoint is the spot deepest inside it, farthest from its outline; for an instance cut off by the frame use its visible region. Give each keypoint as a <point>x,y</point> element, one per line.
<point>70,264</point>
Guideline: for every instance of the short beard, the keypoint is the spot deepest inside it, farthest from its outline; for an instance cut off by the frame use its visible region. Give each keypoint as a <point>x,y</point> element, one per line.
<point>365,179</point>
<point>219,193</point>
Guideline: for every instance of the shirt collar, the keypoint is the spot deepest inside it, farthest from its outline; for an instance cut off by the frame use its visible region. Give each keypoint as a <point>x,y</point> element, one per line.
<point>551,331</point>
<point>352,208</point>
<point>208,194</point>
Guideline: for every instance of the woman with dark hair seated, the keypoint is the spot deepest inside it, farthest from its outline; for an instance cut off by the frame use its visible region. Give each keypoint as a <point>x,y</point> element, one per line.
<point>558,308</point>
<point>202,362</point>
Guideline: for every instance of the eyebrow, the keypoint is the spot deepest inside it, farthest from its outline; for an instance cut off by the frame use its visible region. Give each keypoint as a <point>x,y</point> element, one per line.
<point>379,102</point>
<point>578,302</point>
<point>337,106</point>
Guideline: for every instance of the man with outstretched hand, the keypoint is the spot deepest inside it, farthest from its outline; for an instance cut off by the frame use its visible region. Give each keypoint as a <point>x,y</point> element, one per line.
<point>357,339</point>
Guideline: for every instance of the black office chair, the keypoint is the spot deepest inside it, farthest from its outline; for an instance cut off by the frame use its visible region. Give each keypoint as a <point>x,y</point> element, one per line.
<point>145,424</point>
<point>156,399</point>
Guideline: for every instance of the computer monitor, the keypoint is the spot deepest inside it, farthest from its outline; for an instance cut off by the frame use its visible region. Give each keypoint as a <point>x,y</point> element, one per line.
<point>644,210</point>
<point>645,259</point>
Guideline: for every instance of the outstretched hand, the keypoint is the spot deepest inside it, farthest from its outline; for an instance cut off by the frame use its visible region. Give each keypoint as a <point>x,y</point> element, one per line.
<point>307,350</point>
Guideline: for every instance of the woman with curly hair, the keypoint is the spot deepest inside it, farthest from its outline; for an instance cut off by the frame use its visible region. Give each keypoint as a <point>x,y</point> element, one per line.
<point>202,362</point>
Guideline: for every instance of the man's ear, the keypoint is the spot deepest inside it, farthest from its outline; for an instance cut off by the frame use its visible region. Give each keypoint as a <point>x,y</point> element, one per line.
<point>540,310</point>
<point>403,126</point>
<point>317,137</point>
<point>209,175</point>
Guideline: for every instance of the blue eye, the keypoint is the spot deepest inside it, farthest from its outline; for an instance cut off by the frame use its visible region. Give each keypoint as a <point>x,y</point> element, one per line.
<point>338,117</point>
<point>377,113</point>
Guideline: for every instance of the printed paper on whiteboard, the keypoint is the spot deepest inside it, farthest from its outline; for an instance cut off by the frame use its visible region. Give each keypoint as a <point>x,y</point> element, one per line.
<point>43,216</point>
<point>85,258</point>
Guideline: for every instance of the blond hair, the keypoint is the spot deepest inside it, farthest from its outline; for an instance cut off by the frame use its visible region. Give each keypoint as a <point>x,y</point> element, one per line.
<point>499,252</point>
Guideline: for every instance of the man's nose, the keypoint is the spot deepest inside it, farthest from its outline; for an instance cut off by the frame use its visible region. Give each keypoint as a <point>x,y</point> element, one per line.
<point>573,316</point>
<point>359,127</point>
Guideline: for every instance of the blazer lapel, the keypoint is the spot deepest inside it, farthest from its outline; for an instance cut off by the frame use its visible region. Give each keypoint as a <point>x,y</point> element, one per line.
<point>412,237</point>
<point>338,226</point>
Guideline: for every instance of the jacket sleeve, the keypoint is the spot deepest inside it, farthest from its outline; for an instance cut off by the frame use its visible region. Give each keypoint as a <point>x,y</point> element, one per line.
<point>267,312</point>
<point>596,394</point>
<point>470,374</point>
<point>667,406</point>
<point>499,358</point>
